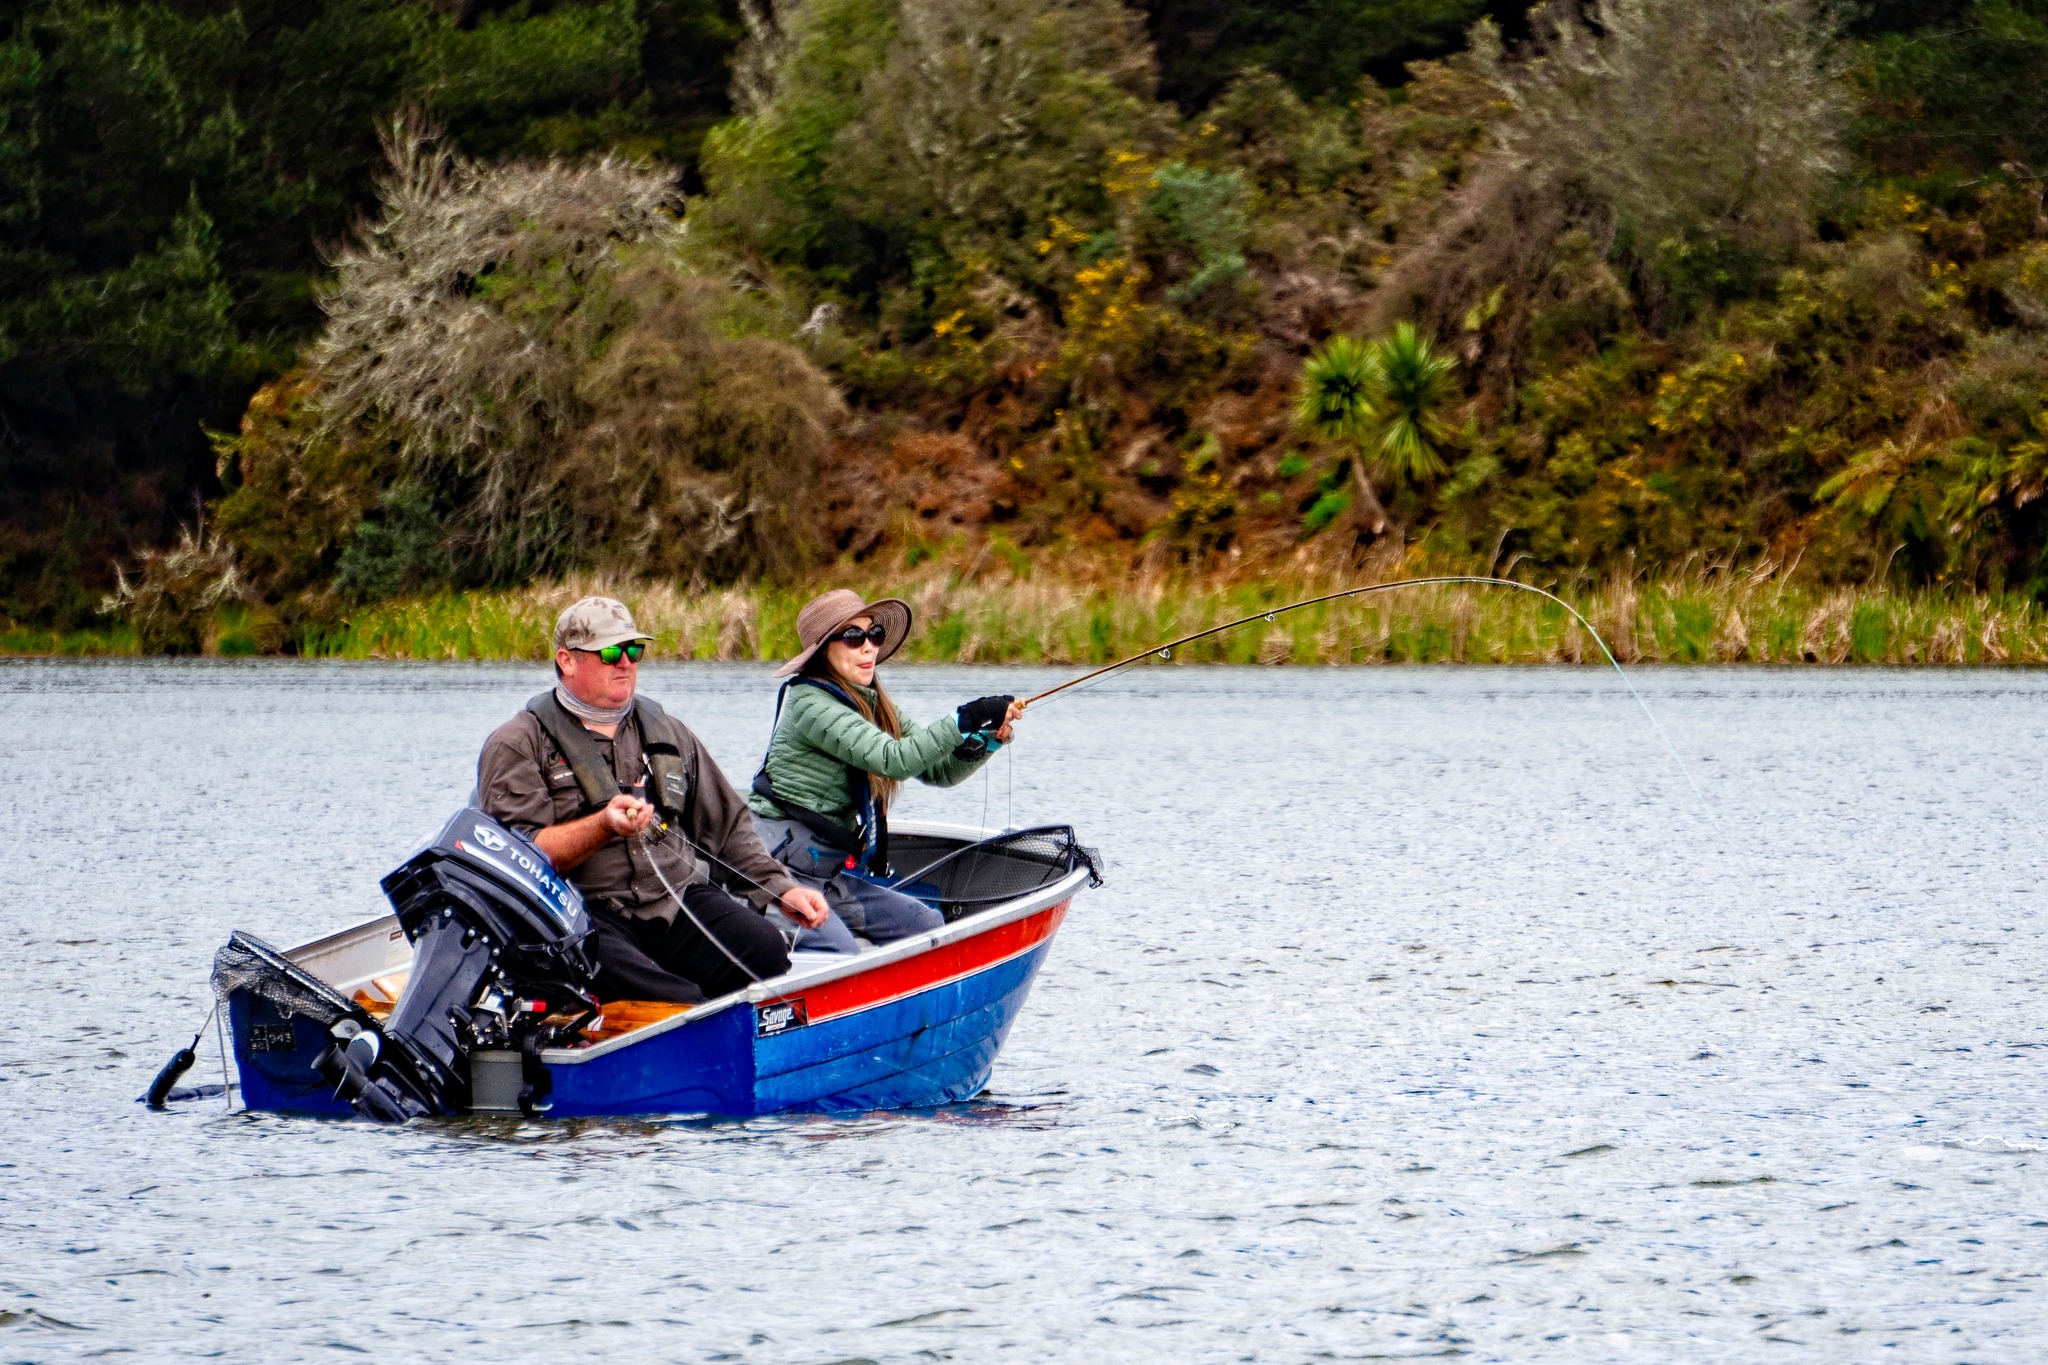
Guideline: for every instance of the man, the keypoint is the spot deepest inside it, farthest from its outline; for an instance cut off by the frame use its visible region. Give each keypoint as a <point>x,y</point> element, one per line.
<point>573,771</point>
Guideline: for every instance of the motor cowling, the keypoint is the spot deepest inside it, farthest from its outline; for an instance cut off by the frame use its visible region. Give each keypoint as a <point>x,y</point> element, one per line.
<point>500,960</point>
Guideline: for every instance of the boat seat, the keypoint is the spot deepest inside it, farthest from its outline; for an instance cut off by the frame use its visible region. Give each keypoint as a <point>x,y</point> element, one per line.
<point>380,996</point>
<point>623,1016</point>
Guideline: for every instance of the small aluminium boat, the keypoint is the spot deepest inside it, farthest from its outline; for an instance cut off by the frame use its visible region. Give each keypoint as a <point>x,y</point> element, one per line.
<point>913,1023</point>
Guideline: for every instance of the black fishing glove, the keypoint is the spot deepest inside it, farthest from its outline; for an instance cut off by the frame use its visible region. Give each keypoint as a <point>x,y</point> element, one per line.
<point>983,713</point>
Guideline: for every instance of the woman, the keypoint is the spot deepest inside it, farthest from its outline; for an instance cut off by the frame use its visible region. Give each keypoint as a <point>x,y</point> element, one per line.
<point>840,751</point>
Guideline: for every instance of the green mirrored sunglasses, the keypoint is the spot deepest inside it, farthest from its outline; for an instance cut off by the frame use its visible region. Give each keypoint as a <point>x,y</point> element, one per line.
<point>611,654</point>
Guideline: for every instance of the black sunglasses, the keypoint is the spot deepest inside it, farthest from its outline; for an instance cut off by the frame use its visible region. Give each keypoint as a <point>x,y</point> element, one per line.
<point>852,636</point>
<point>611,654</point>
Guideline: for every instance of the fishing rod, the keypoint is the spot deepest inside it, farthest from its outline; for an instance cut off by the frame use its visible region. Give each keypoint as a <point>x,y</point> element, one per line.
<point>1165,651</point>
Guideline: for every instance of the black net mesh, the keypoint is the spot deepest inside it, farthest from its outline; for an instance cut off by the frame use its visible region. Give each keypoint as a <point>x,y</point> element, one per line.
<point>246,963</point>
<point>995,870</point>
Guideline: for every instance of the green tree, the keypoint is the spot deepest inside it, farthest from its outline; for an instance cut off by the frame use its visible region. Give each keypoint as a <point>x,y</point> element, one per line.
<point>1958,85</point>
<point>168,175</point>
<point>1321,47</point>
<point>1415,385</point>
<point>1385,399</point>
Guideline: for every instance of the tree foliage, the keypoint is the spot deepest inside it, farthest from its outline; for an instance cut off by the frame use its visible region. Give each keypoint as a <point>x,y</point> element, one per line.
<point>1958,84</point>
<point>512,352</point>
<point>1754,283</point>
<point>1709,131</point>
<point>1386,398</point>
<point>168,173</point>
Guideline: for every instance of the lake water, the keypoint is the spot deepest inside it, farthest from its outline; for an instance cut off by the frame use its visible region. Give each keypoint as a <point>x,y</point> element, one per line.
<point>1424,1013</point>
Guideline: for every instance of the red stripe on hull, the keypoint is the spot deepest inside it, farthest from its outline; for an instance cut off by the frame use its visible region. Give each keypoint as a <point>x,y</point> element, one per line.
<point>948,962</point>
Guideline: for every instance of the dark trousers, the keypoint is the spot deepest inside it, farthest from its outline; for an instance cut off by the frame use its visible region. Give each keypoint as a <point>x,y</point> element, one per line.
<point>645,959</point>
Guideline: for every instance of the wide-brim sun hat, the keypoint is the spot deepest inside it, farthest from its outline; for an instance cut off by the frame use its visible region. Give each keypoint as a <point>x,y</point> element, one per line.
<point>823,616</point>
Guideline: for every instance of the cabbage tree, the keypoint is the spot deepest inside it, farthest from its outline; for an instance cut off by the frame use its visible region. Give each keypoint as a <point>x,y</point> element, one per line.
<point>1386,400</point>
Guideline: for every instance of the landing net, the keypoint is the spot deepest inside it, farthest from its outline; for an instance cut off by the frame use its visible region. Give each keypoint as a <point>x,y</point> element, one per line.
<point>1003,868</point>
<point>246,963</point>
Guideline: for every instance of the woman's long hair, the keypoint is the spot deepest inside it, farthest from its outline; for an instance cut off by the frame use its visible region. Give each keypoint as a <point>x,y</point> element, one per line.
<point>882,715</point>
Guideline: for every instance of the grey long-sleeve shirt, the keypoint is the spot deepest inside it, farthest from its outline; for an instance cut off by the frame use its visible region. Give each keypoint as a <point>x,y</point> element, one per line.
<point>524,782</point>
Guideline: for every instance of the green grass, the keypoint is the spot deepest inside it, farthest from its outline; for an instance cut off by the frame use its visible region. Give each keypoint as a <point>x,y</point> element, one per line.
<point>1698,619</point>
<point>111,640</point>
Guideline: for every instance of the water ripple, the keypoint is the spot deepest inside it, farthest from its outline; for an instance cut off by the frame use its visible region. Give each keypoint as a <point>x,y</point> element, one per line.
<point>1421,1019</point>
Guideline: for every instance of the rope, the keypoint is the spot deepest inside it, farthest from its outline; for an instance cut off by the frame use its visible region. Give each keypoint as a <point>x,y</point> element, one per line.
<point>1166,650</point>
<point>220,1034</point>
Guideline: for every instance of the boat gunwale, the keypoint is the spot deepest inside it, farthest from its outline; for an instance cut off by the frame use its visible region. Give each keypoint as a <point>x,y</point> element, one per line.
<point>792,982</point>
<point>797,982</point>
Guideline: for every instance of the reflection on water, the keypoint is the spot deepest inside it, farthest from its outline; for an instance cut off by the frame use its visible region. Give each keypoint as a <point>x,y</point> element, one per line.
<point>1422,1015</point>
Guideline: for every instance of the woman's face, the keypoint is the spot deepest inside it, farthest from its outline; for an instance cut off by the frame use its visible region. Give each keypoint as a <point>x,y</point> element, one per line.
<point>856,662</point>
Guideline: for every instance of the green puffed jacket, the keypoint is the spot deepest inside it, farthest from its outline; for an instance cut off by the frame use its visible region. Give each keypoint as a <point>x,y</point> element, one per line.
<point>820,739</point>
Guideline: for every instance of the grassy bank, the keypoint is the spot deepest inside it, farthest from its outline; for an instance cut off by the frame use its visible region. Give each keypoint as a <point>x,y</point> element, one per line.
<point>112,640</point>
<point>1719,619</point>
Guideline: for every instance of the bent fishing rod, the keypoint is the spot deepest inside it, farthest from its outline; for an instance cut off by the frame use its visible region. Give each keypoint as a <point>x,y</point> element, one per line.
<point>1165,651</point>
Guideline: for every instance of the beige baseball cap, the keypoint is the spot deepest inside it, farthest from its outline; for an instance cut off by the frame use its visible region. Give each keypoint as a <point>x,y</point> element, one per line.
<point>595,622</point>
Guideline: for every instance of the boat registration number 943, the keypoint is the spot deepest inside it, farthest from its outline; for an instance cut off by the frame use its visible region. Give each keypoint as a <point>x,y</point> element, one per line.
<point>781,1017</point>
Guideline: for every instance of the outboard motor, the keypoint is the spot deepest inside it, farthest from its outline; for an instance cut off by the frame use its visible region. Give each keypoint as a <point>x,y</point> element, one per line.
<point>499,961</point>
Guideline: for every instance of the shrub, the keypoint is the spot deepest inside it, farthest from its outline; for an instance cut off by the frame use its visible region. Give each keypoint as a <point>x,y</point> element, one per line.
<point>1324,510</point>
<point>397,552</point>
<point>796,83</point>
<point>295,492</point>
<point>924,143</point>
<point>1709,130</point>
<point>520,339</point>
<point>175,593</point>
<point>700,455</point>
<point>989,117</point>
<point>1959,89</point>
<point>458,320</point>
<point>1200,215</point>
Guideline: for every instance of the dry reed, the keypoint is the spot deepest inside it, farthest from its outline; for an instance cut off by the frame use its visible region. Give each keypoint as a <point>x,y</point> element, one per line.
<point>1700,619</point>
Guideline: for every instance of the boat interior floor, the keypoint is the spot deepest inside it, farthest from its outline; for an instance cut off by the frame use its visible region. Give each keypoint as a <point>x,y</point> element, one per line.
<point>379,996</point>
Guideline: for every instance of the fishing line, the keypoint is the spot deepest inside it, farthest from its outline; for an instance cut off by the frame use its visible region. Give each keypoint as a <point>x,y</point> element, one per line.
<point>652,841</point>
<point>1165,651</point>
<point>684,905</point>
<point>984,797</point>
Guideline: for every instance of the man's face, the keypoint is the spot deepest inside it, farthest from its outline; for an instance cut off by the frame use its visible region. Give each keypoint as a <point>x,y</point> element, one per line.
<point>591,679</point>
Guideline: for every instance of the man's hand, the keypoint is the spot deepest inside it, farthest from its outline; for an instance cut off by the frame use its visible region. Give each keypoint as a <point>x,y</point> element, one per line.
<point>626,816</point>
<point>807,907</point>
<point>1016,709</point>
<point>571,843</point>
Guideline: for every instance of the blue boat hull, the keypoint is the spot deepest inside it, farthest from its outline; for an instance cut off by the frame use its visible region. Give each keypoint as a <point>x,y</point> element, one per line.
<point>931,1048</point>
<point>918,1024</point>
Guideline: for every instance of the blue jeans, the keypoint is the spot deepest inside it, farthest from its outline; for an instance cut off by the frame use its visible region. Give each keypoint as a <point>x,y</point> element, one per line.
<point>858,905</point>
